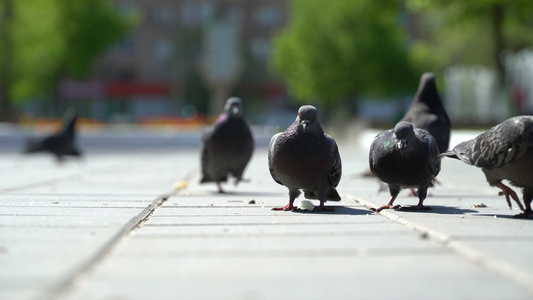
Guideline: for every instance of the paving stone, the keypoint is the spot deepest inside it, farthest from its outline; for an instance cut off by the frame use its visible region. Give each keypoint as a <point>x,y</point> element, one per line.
<point>66,231</point>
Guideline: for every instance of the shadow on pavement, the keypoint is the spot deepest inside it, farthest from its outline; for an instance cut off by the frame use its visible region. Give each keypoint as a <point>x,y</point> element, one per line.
<point>512,217</point>
<point>444,210</point>
<point>480,196</point>
<point>338,210</point>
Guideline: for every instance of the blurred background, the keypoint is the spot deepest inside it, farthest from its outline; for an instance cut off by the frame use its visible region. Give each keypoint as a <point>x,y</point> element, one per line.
<point>161,62</point>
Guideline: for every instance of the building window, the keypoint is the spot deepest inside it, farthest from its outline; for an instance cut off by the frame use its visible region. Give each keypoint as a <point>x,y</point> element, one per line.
<point>161,49</point>
<point>260,48</point>
<point>235,15</point>
<point>195,13</point>
<point>126,46</point>
<point>163,16</point>
<point>268,16</point>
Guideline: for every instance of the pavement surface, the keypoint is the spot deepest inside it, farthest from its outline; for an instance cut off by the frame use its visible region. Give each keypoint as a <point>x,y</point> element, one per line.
<point>130,221</point>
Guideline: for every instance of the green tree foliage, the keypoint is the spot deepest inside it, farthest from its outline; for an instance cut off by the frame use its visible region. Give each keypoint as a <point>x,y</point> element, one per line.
<point>333,50</point>
<point>88,27</point>
<point>51,39</point>
<point>470,32</point>
<point>37,48</point>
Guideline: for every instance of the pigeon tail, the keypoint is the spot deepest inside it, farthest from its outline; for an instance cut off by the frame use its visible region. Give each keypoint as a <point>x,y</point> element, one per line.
<point>205,179</point>
<point>333,195</point>
<point>450,154</point>
<point>209,177</point>
<point>460,152</point>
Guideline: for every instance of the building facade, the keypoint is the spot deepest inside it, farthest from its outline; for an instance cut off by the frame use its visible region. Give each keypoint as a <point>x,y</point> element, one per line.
<point>159,67</point>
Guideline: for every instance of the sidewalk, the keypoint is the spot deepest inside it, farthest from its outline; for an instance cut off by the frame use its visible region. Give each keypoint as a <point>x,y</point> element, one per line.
<point>137,225</point>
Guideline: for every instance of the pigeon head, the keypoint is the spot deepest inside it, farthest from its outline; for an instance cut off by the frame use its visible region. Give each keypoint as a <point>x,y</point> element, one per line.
<point>233,106</point>
<point>427,89</point>
<point>403,132</point>
<point>307,118</point>
<point>69,120</point>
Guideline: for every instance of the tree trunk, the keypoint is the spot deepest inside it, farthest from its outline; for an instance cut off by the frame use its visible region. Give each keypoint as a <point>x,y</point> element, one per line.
<point>6,58</point>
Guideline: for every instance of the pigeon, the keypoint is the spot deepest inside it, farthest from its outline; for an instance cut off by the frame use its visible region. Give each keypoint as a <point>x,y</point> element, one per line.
<point>60,144</point>
<point>405,157</point>
<point>227,146</point>
<point>428,113</point>
<point>304,158</point>
<point>503,152</point>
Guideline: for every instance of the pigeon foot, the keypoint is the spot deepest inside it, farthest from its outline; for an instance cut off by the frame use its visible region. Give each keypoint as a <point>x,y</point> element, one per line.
<point>285,208</point>
<point>322,207</point>
<point>388,206</point>
<point>527,214</point>
<point>220,190</point>
<point>508,191</point>
<point>414,208</point>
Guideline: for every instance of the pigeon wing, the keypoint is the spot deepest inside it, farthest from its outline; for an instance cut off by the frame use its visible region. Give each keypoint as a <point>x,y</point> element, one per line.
<point>335,173</point>
<point>204,156</point>
<point>503,143</point>
<point>379,145</point>
<point>271,150</point>
<point>433,153</point>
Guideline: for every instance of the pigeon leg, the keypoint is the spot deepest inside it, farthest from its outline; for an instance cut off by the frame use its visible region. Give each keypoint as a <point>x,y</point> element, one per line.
<point>290,206</point>
<point>422,193</point>
<point>389,205</point>
<point>322,207</point>
<point>322,197</point>
<point>528,213</point>
<point>394,191</point>
<point>60,159</point>
<point>220,190</point>
<point>508,191</point>
<point>287,207</point>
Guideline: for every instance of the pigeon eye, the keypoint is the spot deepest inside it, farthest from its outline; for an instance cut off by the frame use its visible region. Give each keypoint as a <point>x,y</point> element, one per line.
<point>299,115</point>
<point>315,116</point>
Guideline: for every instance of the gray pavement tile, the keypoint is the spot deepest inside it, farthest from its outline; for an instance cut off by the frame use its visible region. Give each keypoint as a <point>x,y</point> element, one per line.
<point>44,235</point>
<point>55,218</point>
<point>418,276</point>
<point>468,216</point>
<point>55,223</point>
<point>216,246</point>
<point>380,227</point>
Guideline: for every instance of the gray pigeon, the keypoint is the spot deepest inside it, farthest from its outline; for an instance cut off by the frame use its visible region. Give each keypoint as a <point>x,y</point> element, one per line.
<point>304,158</point>
<point>227,146</point>
<point>60,144</point>
<point>405,157</point>
<point>503,152</point>
<point>428,113</point>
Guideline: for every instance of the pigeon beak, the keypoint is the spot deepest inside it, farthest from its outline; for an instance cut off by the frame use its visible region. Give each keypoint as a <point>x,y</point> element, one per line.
<point>401,144</point>
<point>235,110</point>
<point>304,125</point>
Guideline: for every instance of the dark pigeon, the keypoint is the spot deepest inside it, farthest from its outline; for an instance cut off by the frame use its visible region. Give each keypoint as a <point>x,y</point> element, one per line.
<point>227,146</point>
<point>405,157</point>
<point>304,158</point>
<point>428,113</point>
<point>504,152</point>
<point>60,144</point>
